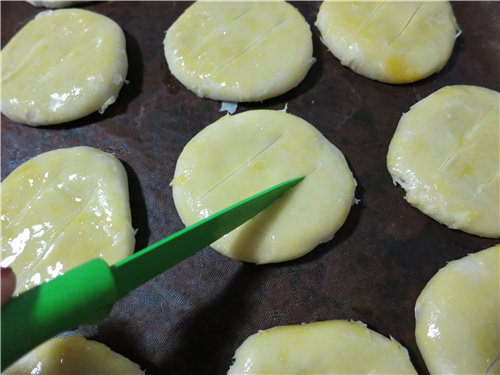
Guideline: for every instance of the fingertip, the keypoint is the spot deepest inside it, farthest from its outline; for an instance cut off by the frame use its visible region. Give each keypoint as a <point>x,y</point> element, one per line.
<point>8,283</point>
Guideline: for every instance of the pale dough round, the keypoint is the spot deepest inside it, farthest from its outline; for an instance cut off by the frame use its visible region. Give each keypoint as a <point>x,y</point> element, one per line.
<point>445,154</point>
<point>458,316</point>
<point>393,42</point>
<point>239,51</point>
<point>73,355</point>
<point>61,209</point>
<point>329,347</point>
<point>238,156</point>
<point>62,65</point>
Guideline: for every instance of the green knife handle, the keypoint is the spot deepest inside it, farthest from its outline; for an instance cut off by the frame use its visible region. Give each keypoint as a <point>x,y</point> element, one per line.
<point>83,295</point>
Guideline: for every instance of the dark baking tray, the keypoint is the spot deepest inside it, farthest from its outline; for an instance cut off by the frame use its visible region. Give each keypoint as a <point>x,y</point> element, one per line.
<point>191,318</point>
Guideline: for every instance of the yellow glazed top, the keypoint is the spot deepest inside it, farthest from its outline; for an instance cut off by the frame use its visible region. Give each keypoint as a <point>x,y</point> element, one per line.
<point>458,316</point>
<point>238,156</point>
<point>329,347</point>
<point>389,41</point>
<point>445,153</point>
<point>61,66</point>
<point>239,51</point>
<point>73,355</point>
<point>62,208</point>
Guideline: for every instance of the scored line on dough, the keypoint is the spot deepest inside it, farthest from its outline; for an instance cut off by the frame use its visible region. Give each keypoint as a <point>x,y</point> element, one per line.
<point>52,67</point>
<point>241,166</point>
<point>482,187</point>
<point>462,140</point>
<point>250,46</point>
<point>21,213</point>
<point>242,14</point>
<point>50,245</point>
<point>372,14</point>
<point>195,49</point>
<point>407,23</point>
<point>21,65</point>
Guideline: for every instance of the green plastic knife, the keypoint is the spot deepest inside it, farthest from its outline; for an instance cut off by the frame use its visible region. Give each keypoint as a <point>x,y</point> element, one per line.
<point>87,293</point>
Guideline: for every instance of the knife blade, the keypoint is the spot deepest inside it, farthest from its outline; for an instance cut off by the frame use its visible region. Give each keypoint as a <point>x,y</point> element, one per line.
<point>87,293</point>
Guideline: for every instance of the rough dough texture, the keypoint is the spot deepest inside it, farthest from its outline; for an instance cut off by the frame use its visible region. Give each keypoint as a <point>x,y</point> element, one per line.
<point>61,66</point>
<point>330,347</point>
<point>445,154</point>
<point>394,42</point>
<point>458,316</point>
<point>62,208</point>
<point>73,355</point>
<point>238,156</point>
<point>239,51</point>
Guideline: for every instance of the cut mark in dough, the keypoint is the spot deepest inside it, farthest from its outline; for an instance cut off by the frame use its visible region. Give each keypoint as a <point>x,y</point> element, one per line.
<point>238,156</point>
<point>199,46</point>
<point>372,14</point>
<point>19,67</point>
<point>34,195</point>
<point>467,137</point>
<point>243,165</point>
<point>24,277</point>
<point>490,181</point>
<point>405,27</point>
<point>251,45</point>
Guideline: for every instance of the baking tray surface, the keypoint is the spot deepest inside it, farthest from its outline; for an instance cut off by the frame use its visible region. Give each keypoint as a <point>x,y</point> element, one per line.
<point>191,318</point>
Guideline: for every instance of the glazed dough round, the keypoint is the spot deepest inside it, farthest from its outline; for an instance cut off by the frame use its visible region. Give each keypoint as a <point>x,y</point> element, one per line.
<point>330,347</point>
<point>238,156</point>
<point>73,355</point>
<point>393,42</point>
<point>61,66</point>
<point>458,316</point>
<point>239,51</point>
<point>61,209</point>
<point>445,154</point>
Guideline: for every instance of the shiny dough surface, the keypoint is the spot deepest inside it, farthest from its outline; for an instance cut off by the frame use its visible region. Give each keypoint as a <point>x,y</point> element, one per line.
<point>61,209</point>
<point>390,41</point>
<point>329,347</point>
<point>445,154</point>
<point>458,316</point>
<point>238,156</point>
<point>62,65</point>
<point>239,51</point>
<point>73,355</point>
